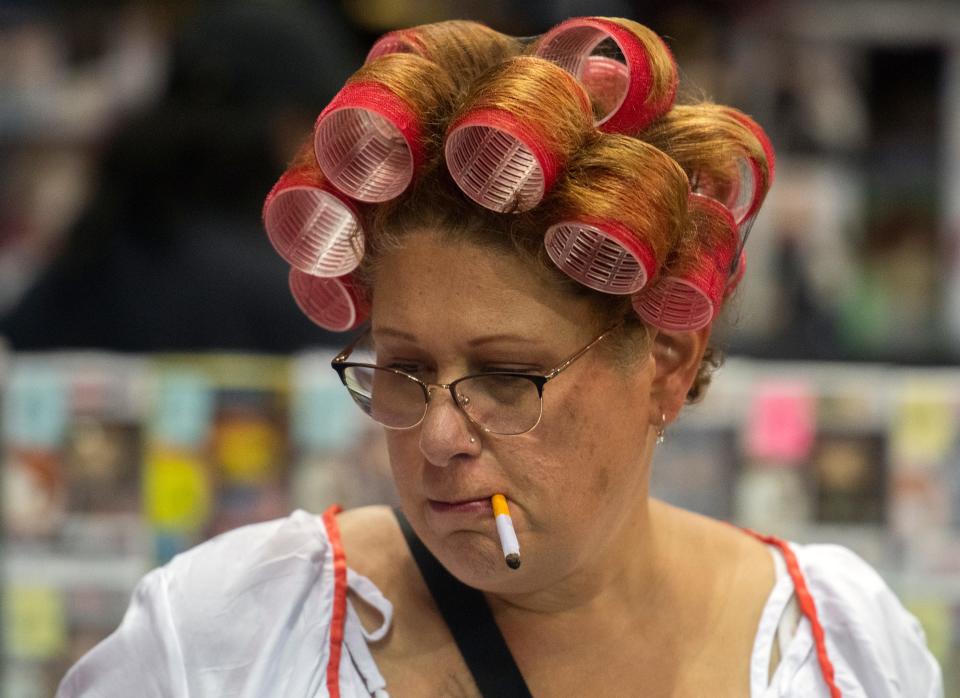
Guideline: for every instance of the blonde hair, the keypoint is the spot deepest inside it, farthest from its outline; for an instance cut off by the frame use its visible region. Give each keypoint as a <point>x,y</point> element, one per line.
<point>641,180</point>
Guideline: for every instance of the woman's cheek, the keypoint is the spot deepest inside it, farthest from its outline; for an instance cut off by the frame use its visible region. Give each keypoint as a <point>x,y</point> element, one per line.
<point>402,452</point>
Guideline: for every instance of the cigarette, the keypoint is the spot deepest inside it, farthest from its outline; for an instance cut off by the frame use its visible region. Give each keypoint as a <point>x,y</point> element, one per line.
<point>508,536</point>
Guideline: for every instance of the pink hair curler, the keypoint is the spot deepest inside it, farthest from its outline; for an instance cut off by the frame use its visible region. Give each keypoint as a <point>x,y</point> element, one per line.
<point>369,142</point>
<point>602,255</point>
<point>336,304</point>
<point>621,88</point>
<point>503,160</point>
<point>745,208</point>
<point>746,222</point>
<point>741,193</point>
<point>399,41</point>
<point>761,136</point>
<point>606,80</point>
<point>498,162</point>
<point>691,300</point>
<point>736,274</point>
<point>313,227</point>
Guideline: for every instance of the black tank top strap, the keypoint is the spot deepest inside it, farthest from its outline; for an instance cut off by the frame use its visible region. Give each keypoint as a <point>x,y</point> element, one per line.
<point>470,620</point>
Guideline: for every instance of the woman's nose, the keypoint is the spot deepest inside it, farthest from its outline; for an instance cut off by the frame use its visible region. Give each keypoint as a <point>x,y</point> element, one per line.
<point>445,431</point>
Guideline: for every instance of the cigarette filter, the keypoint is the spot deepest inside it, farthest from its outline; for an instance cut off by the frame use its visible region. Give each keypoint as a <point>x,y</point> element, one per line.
<point>508,536</point>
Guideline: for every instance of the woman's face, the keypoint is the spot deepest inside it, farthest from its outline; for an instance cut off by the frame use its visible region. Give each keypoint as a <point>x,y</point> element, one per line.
<point>576,481</point>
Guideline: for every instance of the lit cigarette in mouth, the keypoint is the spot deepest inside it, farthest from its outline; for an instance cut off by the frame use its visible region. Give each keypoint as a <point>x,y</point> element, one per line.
<point>508,537</point>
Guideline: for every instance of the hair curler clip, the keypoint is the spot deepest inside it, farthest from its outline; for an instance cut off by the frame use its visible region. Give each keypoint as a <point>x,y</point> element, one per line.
<point>336,304</point>
<point>312,226</point>
<point>602,255</point>
<point>690,298</point>
<point>614,60</point>
<point>369,142</point>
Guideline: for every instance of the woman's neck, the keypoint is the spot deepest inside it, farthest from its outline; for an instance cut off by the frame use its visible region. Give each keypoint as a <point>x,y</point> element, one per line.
<point>630,572</point>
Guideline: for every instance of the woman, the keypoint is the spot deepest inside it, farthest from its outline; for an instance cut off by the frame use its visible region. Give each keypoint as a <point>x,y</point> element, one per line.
<point>519,221</point>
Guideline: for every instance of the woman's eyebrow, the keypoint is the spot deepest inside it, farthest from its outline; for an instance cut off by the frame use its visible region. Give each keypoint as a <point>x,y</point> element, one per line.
<point>475,342</point>
<point>490,339</point>
<point>392,332</point>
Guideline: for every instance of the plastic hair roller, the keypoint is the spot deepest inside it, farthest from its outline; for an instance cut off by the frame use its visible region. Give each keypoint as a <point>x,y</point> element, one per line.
<point>336,304</point>
<point>503,159</point>
<point>745,191</point>
<point>606,80</point>
<point>312,226</point>
<point>690,297</point>
<point>618,219</point>
<point>739,192</point>
<point>464,48</point>
<point>626,69</point>
<point>736,274</point>
<point>399,41</point>
<point>748,212</point>
<point>602,255</point>
<point>369,140</point>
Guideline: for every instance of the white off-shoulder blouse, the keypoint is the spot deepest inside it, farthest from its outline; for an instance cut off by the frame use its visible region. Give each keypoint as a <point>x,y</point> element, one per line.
<point>263,611</point>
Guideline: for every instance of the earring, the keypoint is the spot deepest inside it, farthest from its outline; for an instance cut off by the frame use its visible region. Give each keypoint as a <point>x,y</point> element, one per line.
<point>661,429</point>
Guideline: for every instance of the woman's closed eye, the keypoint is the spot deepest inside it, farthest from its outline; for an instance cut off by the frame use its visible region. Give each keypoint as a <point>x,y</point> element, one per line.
<point>511,368</point>
<point>406,366</point>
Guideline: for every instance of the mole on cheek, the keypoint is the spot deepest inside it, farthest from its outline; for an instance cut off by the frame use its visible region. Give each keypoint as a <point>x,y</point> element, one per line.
<point>600,482</point>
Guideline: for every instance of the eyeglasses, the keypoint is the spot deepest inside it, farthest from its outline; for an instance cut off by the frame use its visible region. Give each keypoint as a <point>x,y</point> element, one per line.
<point>499,402</point>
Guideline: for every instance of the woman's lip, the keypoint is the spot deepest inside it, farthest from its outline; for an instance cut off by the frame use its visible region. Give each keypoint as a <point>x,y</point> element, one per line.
<point>481,504</point>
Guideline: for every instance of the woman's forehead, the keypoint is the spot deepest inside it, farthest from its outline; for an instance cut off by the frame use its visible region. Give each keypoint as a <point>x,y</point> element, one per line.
<point>429,286</point>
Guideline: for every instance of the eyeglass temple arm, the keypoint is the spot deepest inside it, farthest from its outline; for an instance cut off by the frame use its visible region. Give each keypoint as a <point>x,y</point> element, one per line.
<point>345,354</point>
<point>562,367</point>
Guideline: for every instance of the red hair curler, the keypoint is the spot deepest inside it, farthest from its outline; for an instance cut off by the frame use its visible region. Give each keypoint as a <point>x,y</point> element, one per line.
<point>602,255</point>
<point>761,136</point>
<point>312,226</point>
<point>606,80</point>
<point>463,48</point>
<point>736,274</point>
<point>689,298</point>
<point>369,142</point>
<point>508,158</point>
<point>746,213</point>
<point>399,41</point>
<point>741,192</point>
<point>630,94</point>
<point>614,223</point>
<point>336,304</point>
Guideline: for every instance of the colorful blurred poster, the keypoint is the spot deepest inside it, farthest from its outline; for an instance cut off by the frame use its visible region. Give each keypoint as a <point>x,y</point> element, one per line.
<point>772,500</point>
<point>925,423</point>
<point>340,453</point>
<point>849,475</point>
<point>72,426</point>
<point>782,422</point>
<point>217,454</point>
<point>697,470</point>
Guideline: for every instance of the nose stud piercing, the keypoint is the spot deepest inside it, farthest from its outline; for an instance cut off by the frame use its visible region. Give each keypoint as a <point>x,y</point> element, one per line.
<point>473,440</point>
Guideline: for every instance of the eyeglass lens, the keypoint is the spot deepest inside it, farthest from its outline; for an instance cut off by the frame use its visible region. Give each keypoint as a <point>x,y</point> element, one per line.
<point>499,403</point>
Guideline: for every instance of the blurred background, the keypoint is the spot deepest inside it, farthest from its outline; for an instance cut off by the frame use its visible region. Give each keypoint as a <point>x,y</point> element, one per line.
<point>159,384</point>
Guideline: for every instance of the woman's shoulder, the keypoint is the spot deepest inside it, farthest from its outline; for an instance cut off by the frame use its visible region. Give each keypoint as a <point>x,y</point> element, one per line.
<point>872,640</point>
<point>852,592</point>
<point>301,538</point>
<point>374,547</point>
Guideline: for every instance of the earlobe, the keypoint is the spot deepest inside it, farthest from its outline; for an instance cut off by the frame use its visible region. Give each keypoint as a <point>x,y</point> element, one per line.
<point>678,356</point>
